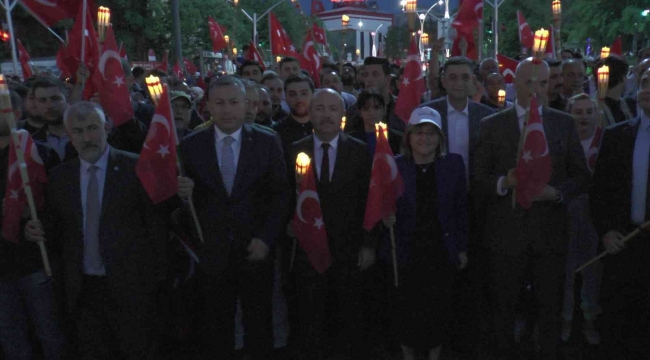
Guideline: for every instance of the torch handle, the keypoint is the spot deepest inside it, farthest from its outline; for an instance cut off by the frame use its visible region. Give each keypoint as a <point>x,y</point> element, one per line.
<point>190,202</point>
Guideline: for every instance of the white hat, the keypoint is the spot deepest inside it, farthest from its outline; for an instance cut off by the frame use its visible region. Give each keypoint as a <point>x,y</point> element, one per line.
<point>425,115</point>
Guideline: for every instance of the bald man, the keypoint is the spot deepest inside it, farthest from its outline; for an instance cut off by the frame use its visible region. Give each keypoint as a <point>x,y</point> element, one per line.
<point>534,238</point>
<point>341,166</point>
<point>573,73</point>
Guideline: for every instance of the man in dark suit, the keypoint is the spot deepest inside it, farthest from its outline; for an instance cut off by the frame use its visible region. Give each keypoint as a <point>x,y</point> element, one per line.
<point>238,173</point>
<point>537,237</point>
<point>619,204</point>
<point>110,239</point>
<point>341,166</point>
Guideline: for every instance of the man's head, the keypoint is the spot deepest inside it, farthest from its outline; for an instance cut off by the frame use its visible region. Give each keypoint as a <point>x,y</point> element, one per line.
<point>251,70</point>
<point>176,84</point>
<point>643,93</point>
<point>458,77</point>
<point>299,90</point>
<point>325,111</point>
<point>567,54</point>
<point>488,66</point>
<point>376,74</point>
<point>226,101</point>
<point>276,89</point>
<point>265,108</point>
<point>573,72</point>
<point>349,74</point>
<point>641,68</point>
<point>555,79</point>
<point>86,126</point>
<point>182,109</point>
<point>525,84</point>
<point>584,110</point>
<point>288,66</point>
<point>129,79</point>
<point>328,67</point>
<point>493,83</point>
<point>618,69</point>
<point>138,75</point>
<point>49,95</point>
<point>330,80</point>
<point>253,100</point>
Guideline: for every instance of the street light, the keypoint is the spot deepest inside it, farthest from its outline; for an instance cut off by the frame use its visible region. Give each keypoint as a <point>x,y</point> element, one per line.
<point>360,23</point>
<point>254,19</point>
<point>374,43</point>
<point>345,22</point>
<point>645,12</point>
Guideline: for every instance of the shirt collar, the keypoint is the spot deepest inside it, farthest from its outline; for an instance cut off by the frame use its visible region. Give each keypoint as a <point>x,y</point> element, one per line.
<point>451,109</point>
<point>101,163</point>
<point>220,135</point>
<point>334,143</point>
<point>522,112</point>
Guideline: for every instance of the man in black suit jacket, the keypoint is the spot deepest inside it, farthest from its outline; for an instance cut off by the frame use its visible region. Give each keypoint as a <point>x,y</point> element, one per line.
<point>110,239</point>
<point>619,199</point>
<point>342,181</point>
<point>536,237</point>
<point>238,175</point>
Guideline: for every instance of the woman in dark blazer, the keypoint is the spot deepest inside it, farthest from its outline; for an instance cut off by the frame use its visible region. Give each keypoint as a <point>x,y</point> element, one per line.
<point>430,234</point>
<point>372,110</point>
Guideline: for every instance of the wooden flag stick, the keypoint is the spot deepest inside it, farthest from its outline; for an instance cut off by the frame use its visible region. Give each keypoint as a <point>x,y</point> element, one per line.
<point>5,107</point>
<point>393,251</point>
<point>629,237</point>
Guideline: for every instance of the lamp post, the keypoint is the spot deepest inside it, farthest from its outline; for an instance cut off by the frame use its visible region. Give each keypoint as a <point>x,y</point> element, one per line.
<point>345,22</point>
<point>254,19</point>
<point>374,42</point>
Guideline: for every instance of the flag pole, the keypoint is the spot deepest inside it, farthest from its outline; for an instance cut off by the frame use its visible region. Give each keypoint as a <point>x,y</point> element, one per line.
<point>14,56</point>
<point>6,108</point>
<point>84,10</point>
<point>40,20</point>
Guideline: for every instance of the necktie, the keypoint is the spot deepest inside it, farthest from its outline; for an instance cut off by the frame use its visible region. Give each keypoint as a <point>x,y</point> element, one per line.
<point>325,165</point>
<point>92,260</point>
<point>228,163</point>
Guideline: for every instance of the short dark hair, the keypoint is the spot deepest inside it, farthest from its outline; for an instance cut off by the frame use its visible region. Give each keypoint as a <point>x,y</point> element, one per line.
<point>21,89</point>
<point>287,59</point>
<point>298,79</point>
<point>576,98</point>
<point>47,82</point>
<point>372,60</point>
<point>457,60</point>
<point>249,63</point>
<point>618,69</point>
<point>368,96</point>
<point>270,76</point>
<point>223,81</point>
<point>331,67</point>
<point>553,63</point>
<point>351,66</point>
<point>329,72</point>
<point>137,71</point>
<point>569,51</point>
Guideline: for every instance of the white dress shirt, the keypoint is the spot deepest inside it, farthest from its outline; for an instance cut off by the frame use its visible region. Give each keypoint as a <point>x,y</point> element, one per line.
<point>640,171</point>
<point>236,145</point>
<point>318,154</point>
<point>458,132</point>
<point>101,164</point>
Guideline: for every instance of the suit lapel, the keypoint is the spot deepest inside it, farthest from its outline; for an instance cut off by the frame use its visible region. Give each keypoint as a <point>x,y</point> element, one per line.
<point>211,175</point>
<point>246,159</point>
<point>75,194</point>
<point>341,153</point>
<point>112,177</point>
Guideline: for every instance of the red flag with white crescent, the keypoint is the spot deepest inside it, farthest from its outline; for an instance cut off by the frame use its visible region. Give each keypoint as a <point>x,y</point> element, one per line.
<point>468,16</point>
<point>526,37</point>
<point>534,165</point>
<point>156,166</point>
<point>550,45</point>
<point>310,61</point>
<point>164,64</point>
<point>15,198</point>
<point>386,185</point>
<point>412,86</point>
<point>253,54</point>
<point>507,68</point>
<point>50,12</point>
<point>25,60</point>
<point>309,226</point>
<point>217,34</point>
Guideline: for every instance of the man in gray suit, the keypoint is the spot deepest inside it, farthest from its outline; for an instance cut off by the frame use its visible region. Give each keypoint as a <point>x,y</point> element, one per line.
<point>536,238</point>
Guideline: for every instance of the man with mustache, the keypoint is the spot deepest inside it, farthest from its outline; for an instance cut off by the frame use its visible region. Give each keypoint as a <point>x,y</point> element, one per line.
<point>51,103</point>
<point>573,73</point>
<point>276,90</point>
<point>348,77</point>
<point>265,110</point>
<point>556,100</point>
<point>299,90</point>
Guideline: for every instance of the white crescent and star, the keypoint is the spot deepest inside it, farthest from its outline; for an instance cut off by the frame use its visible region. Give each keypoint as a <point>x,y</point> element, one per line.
<point>104,59</point>
<point>304,196</point>
<point>537,127</point>
<point>153,130</point>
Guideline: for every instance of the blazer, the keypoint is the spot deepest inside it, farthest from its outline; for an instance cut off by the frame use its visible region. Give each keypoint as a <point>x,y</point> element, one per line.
<point>132,233</point>
<point>610,194</point>
<point>452,208</point>
<point>343,201</point>
<point>256,207</point>
<point>476,113</point>
<point>496,153</point>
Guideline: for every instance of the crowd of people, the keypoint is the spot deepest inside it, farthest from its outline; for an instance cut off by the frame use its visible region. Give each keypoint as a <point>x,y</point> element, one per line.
<point>468,272</point>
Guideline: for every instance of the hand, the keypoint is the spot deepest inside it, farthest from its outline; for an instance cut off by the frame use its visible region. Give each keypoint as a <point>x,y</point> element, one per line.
<point>438,45</point>
<point>389,221</point>
<point>462,257</point>
<point>613,242</point>
<point>548,194</point>
<point>34,231</point>
<point>257,250</point>
<point>185,187</point>
<point>510,182</point>
<point>82,73</point>
<point>366,258</point>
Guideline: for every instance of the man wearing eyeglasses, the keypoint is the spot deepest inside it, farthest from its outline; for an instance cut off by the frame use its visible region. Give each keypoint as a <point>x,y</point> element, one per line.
<point>182,109</point>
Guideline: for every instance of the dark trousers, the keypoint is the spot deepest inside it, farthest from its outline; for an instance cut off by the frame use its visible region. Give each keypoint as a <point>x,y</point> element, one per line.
<point>625,299</point>
<point>252,284</point>
<point>111,329</point>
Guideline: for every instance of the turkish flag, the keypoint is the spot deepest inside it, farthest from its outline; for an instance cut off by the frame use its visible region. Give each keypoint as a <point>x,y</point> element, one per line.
<point>319,35</point>
<point>190,67</point>
<point>550,45</point>
<point>178,70</point>
<point>77,35</point>
<point>253,54</point>
<point>308,224</point>
<point>61,56</point>
<point>526,36</point>
<point>217,33</point>
<point>50,12</point>
<point>386,185</point>
<point>412,86</point>
<point>15,198</point>
<point>468,16</point>
<point>617,47</point>
<point>122,52</point>
<point>25,61</point>
<point>507,68</point>
<point>156,166</point>
<point>164,65</point>
<point>317,7</point>
<point>280,42</point>
<point>592,154</point>
<point>310,61</point>
<point>534,166</point>
<point>109,78</point>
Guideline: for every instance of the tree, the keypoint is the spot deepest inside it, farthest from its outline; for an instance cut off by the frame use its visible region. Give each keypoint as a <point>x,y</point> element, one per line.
<point>397,41</point>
